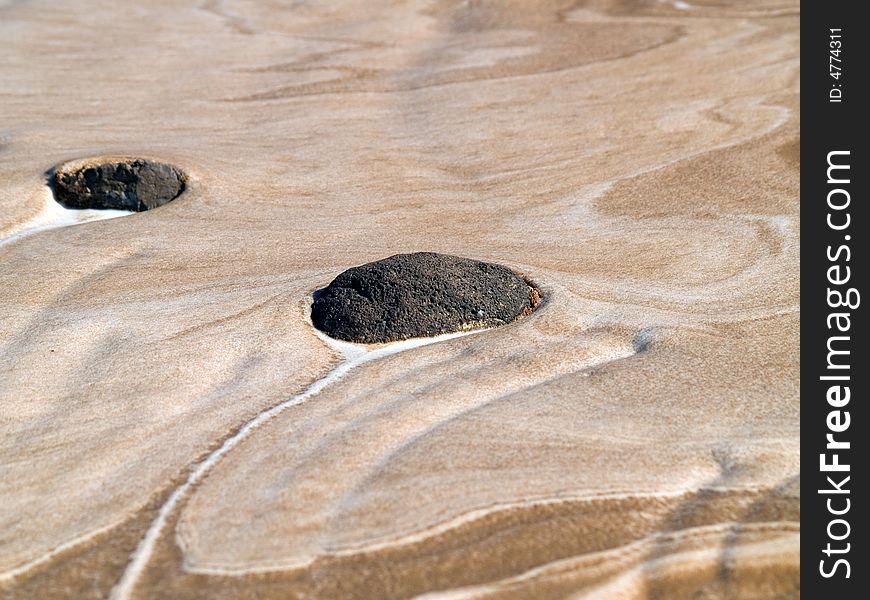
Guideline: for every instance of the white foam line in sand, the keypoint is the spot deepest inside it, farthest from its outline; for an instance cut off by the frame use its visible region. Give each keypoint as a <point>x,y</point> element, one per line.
<point>416,536</point>
<point>355,355</point>
<point>54,216</point>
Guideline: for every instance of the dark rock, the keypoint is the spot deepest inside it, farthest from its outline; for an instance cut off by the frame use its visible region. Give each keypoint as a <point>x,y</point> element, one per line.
<point>133,184</point>
<point>420,294</point>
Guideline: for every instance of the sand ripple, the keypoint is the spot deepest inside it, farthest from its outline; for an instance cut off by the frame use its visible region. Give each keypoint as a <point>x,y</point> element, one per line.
<point>635,437</point>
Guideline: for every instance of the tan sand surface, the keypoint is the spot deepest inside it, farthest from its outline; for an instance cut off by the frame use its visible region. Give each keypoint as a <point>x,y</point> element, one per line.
<point>171,425</point>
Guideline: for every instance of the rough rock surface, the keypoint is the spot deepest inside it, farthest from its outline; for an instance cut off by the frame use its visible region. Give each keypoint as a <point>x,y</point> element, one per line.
<point>135,185</point>
<point>420,294</point>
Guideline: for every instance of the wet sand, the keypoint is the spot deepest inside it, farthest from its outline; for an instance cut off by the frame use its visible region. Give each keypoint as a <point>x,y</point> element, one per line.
<point>171,423</point>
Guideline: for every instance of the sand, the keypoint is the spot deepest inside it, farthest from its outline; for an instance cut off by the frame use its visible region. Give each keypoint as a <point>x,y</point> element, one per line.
<point>171,423</point>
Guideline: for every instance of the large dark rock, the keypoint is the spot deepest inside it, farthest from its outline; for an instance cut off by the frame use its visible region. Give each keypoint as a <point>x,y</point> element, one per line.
<point>420,294</point>
<point>133,184</point>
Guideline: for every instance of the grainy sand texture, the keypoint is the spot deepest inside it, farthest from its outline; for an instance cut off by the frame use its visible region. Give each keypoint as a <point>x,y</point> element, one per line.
<point>173,426</point>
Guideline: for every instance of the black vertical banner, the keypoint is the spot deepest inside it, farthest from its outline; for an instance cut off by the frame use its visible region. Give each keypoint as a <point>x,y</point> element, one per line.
<point>834,432</point>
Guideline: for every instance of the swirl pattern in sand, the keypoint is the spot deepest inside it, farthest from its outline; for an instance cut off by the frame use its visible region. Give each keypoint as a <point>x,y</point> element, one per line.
<point>172,424</point>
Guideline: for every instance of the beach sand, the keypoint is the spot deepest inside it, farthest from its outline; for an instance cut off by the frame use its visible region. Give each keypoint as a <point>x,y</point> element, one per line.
<point>171,423</point>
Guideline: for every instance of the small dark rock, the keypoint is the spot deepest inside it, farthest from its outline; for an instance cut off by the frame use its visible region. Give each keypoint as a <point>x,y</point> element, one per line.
<point>420,294</point>
<point>134,184</point>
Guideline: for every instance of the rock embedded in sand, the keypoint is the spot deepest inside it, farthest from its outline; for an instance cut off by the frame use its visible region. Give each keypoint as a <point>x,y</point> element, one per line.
<point>126,184</point>
<point>420,294</point>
